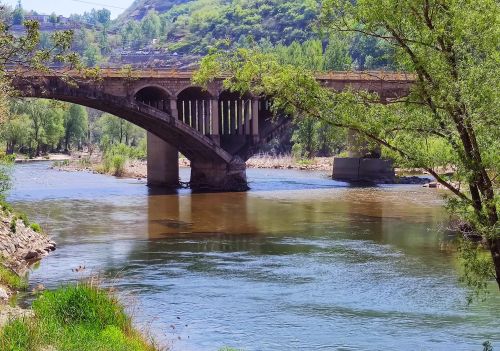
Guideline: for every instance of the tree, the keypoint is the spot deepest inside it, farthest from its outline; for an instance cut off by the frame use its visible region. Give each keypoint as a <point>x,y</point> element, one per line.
<point>454,101</point>
<point>75,125</point>
<point>103,16</point>
<point>337,57</point>
<point>305,138</point>
<point>46,123</point>
<point>18,14</point>
<point>16,132</point>
<point>113,130</point>
<point>92,55</point>
<point>151,25</point>
<point>53,18</point>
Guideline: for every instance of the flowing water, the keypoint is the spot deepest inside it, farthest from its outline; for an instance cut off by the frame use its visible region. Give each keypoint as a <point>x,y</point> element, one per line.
<point>300,262</point>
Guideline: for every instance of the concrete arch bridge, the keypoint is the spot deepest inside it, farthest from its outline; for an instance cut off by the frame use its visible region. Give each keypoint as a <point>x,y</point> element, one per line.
<point>215,129</point>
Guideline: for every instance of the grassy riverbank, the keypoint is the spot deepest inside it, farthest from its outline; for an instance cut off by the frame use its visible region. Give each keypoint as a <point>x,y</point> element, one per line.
<point>80,317</point>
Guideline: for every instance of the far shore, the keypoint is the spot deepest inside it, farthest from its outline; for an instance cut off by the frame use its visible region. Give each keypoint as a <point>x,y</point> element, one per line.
<point>49,157</point>
<point>137,169</point>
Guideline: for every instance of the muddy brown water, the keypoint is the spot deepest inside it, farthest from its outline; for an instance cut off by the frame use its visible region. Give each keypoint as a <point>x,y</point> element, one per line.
<point>300,262</point>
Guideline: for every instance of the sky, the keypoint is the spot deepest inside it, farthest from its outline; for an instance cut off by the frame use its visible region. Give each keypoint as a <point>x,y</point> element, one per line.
<point>67,7</point>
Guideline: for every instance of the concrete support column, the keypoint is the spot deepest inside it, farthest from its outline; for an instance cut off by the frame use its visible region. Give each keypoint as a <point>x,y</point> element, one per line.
<point>255,117</point>
<point>173,108</point>
<point>163,163</point>
<point>210,176</point>
<point>248,108</point>
<point>237,107</point>
<point>214,106</point>
<point>363,164</point>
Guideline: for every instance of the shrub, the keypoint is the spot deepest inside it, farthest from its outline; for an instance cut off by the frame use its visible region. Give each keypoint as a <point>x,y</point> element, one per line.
<point>11,279</point>
<point>13,225</point>
<point>24,218</point>
<point>118,165</point>
<point>36,227</point>
<point>6,207</point>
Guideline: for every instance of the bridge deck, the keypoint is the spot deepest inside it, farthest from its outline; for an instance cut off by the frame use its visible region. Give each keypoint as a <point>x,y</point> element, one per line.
<point>352,76</point>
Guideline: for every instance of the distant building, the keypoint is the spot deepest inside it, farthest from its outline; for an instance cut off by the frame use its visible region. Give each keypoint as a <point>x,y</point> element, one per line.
<point>38,18</point>
<point>43,19</point>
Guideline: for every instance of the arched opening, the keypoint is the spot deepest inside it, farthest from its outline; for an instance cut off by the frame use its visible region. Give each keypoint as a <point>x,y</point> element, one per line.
<point>155,97</point>
<point>195,109</point>
<point>235,114</point>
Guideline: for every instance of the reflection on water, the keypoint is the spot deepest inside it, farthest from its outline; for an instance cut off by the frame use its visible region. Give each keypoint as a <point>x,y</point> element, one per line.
<point>299,263</point>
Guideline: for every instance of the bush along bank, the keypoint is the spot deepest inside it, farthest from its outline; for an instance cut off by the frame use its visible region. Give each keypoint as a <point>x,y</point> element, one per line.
<point>79,317</point>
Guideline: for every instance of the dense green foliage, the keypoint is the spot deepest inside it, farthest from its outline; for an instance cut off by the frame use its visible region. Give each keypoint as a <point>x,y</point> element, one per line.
<point>37,126</point>
<point>79,317</point>
<point>449,119</point>
<point>116,156</point>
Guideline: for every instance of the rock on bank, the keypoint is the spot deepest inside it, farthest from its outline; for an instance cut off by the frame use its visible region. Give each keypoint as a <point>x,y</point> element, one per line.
<point>20,247</point>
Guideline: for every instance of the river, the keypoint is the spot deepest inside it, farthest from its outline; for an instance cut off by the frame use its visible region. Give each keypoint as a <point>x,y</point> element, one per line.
<point>300,262</point>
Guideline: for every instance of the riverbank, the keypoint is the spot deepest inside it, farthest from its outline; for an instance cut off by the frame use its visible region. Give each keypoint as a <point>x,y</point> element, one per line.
<point>79,317</point>
<point>138,168</point>
<point>74,317</point>
<point>49,157</point>
<point>21,245</point>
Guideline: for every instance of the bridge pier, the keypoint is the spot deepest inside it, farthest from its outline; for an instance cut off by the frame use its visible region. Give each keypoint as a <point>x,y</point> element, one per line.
<point>221,177</point>
<point>364,164</point>
<point>163,163</point>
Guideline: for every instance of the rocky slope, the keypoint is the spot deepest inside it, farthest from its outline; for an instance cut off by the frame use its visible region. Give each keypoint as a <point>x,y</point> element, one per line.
<point>140,8</point>
<point>20,247</point>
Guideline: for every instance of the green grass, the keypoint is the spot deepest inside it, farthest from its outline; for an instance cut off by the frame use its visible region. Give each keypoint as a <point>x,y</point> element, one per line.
<point>36,227</point>
<point>79,317</point>
<point>305,162</point>
<point>10,279</point>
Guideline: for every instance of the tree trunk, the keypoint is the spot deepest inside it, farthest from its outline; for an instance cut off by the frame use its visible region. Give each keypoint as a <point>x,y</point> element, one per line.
<point>495,255</point>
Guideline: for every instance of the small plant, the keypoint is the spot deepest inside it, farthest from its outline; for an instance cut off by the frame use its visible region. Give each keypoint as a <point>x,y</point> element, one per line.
<point>24,218</point>
<point>6,207</point>
<point>36,227</point>
<point>85,162</point>
<point>11,279</point>
<point>118,164</point>
<point>13,225</point>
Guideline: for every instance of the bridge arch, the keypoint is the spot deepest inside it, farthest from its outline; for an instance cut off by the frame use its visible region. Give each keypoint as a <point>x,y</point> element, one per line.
<point>155,96</point>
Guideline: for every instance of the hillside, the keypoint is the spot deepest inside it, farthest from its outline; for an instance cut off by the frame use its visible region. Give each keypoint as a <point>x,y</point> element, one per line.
<point>140,8</point>
<point>188,26</point>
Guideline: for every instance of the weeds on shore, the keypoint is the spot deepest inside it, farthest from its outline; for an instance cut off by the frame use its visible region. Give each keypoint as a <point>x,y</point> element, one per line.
<point>63,163</point>
<point>11,279</point>
<point>78,317</point>
<point>7,209</point>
